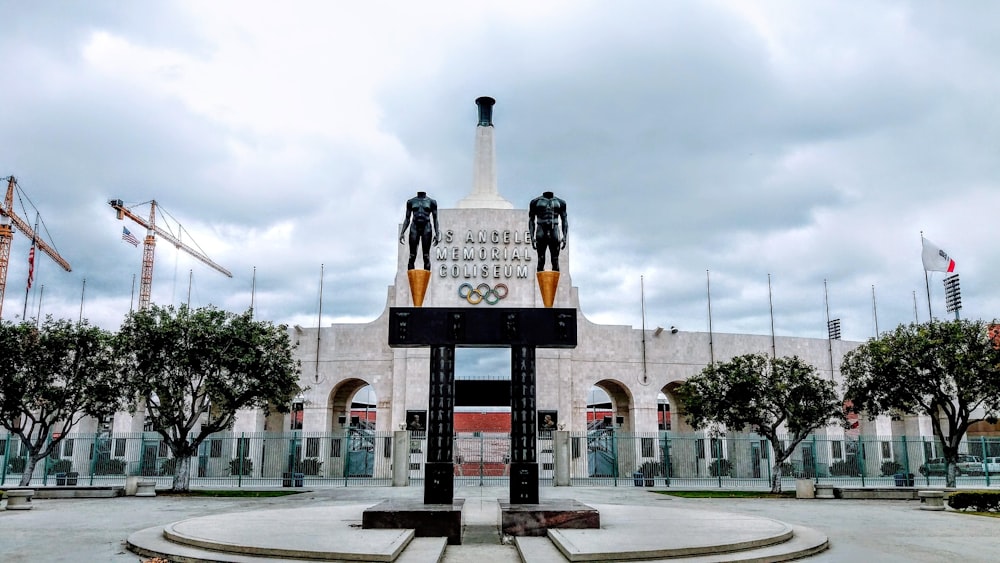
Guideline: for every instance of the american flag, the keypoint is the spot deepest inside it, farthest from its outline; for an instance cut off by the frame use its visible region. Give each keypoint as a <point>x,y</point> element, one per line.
<point>129,237</point>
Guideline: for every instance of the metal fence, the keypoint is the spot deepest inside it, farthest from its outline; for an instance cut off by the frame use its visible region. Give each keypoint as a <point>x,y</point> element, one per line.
<point>744,461</point>
<point>354,458</point>
<point>600,457</point>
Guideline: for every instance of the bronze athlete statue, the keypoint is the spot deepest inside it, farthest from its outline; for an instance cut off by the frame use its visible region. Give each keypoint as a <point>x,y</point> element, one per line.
<point>423,212</point>
<point>548,214</point>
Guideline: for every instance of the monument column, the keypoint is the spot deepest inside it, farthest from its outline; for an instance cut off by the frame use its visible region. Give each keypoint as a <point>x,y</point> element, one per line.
<point>523,424</point>
<point>439,468</point>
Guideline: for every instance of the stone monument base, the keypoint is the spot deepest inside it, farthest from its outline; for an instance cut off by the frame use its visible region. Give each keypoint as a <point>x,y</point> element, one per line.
<point>426,520</point>
<point>536,519</point>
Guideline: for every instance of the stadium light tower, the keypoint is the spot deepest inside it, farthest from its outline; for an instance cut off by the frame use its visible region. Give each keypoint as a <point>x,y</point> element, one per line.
<point>952,294</point>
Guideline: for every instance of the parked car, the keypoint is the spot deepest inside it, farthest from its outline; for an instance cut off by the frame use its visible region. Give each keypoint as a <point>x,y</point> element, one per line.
<point>967,465</point>
<point>993,465</point>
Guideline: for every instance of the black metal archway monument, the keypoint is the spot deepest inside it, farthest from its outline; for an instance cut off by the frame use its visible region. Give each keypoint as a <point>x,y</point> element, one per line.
<point>444,329</point>
<point>523,330</point>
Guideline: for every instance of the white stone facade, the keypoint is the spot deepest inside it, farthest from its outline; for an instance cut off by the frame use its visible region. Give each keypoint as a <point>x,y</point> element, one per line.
<point>489,246</point>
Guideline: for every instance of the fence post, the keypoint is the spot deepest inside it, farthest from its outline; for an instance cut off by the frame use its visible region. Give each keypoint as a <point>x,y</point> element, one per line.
<point>923,455</point>
<point>666,448</point>
<point>906,459</point>
<point>768,456</point>
<point>718,469</point>
<point>986,469</point>
<point>6,457</point>
<point>614,454</point>
<point>861,459</point>
<point>482,462</point>
<point>239,464</point>
<point>46,462</point>
<point>815,465</point>
<point>93,457</point>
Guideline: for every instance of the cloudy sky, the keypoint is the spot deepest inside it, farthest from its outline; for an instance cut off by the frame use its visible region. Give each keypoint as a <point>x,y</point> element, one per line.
<point>805,141</point>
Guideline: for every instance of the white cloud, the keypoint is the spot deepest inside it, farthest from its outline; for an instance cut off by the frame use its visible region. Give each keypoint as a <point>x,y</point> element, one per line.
<point>813,142</point>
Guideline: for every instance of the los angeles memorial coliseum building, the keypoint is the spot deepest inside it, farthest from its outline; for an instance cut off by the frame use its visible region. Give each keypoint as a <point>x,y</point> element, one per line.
<point>352,378</point>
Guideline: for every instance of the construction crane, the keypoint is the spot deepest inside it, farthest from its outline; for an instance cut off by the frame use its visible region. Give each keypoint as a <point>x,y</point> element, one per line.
<point>146,283</point>
<point>7,216</point>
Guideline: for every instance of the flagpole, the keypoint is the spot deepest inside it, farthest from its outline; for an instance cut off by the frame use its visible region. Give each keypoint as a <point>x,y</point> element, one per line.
<point>708,289</point>
<point>253,290</point>
<point>927,283</point>
<point>190,281</point>
<point>41,292</point>
<point>319,322</point>
<point>83,291</point>
<point>875,311</point>
<point>916,319</point>
<point>770,301</point>
<point>642,307</point>
<point>131,298</point>
<point>829,335</point>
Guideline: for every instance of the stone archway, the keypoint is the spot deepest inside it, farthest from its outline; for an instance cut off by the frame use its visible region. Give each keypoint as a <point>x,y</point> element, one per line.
<point>621,404</point>
<point>678,424</point>
<point>339,403</point>
<point>611,449</point>
<point>353,445</point>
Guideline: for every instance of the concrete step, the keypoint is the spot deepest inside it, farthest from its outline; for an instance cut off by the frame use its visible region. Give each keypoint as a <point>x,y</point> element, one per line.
<point>329,533</point>
<point>803,543</point>
<point>673,533</point>
<point>151,542</point>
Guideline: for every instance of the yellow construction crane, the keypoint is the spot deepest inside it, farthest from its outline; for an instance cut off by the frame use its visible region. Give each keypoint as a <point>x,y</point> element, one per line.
<point>7,217</point>
<point>146,283</point>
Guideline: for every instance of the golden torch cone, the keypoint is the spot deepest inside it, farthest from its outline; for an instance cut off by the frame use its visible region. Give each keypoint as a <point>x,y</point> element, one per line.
<point>547,284</point>
<point>418,285</point>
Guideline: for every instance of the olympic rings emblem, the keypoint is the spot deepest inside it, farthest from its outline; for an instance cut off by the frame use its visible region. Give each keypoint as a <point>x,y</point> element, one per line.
<point>483,292</point>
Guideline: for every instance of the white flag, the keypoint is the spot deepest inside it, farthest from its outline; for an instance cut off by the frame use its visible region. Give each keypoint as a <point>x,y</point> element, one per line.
<point>935,259</point>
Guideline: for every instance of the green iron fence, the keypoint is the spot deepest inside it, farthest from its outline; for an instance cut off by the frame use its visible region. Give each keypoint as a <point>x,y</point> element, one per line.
<point>356,457</point>
<point>742,461</point>
<point>601,457</point>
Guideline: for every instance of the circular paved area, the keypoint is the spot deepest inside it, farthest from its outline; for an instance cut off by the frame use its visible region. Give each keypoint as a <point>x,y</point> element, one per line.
<point>884,531</point>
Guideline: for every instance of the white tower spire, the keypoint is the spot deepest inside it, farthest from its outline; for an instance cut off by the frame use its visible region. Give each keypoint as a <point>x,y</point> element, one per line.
<point>484,171</point>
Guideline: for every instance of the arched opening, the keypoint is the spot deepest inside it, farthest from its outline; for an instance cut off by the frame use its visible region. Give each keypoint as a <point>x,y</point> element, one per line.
<point>662,412</point>
<point>609,418</point>
<point>350,404</point>
<point>352,407</point>
<point>613,402</point>
<point>673,408</point>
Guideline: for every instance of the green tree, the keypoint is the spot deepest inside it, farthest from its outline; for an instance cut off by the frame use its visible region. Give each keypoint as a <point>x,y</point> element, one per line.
<point>51,377</point>
<point>764,394</point>
<point>947,370</point>
<point>190,370</point>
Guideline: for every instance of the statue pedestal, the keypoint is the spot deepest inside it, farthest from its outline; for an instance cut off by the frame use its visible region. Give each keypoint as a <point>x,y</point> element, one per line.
<point>548,282</point>
<point>426,520</point>
<point>418,285</point>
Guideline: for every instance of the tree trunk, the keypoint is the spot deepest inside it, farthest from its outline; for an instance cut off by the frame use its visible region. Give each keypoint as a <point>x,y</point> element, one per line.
<point>776,478</point>
<point>182,474</point>
<point>29,468</point>
<point>951,472</point>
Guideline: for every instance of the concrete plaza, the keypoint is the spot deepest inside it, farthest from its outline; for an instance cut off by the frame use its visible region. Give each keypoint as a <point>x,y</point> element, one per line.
<point>858,530</point>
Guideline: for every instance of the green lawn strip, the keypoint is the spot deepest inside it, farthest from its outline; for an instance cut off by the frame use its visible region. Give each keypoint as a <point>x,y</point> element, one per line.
<point>727,494</point>
<point>230,494</point>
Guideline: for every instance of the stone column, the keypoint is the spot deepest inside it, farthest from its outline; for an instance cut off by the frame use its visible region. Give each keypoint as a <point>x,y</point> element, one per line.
<point>523,424</point>
<point>439,485</point>
<point>561,457</point>
<point>400,458</point>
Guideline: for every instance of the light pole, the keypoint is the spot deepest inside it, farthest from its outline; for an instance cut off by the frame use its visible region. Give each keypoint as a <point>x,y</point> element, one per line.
<point>952,295</point>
